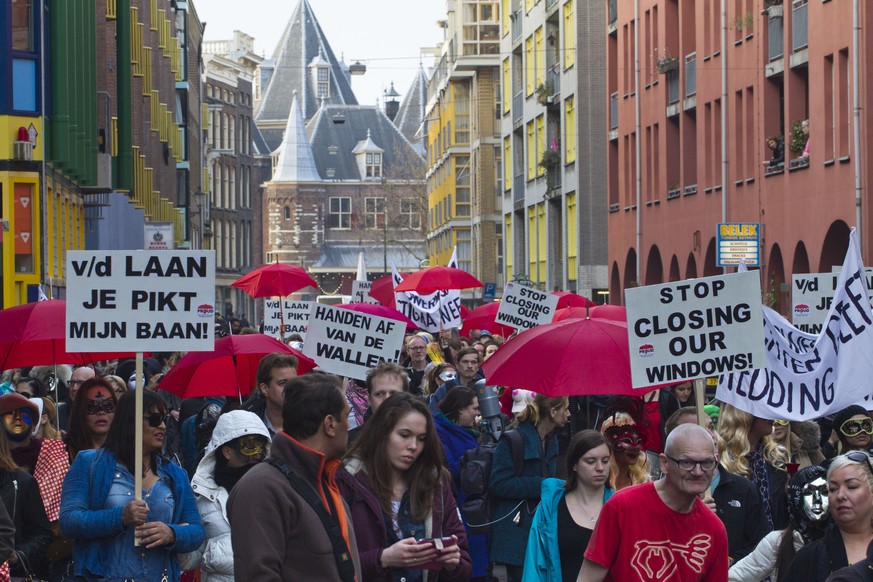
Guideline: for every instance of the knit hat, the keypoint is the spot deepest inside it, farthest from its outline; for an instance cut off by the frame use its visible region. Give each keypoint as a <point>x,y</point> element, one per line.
<point>14,401</point>
<point>839,418</point>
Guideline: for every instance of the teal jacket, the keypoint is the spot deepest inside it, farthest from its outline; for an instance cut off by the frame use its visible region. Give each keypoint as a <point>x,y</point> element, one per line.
<point>542,560</point>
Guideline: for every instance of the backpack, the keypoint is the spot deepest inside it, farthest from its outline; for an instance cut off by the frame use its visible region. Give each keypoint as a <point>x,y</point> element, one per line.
<point>475,478</point>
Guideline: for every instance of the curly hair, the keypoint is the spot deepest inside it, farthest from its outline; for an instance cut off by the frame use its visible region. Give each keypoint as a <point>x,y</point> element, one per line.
<point>734,426</point>
<point>639,471</point>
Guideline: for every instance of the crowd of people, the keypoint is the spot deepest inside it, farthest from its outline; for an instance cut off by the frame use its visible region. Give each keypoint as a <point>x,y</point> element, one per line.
<point>314,477</point>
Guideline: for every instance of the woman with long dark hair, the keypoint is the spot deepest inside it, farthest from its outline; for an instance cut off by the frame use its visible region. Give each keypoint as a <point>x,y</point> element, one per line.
<point>399,494</point>
<point>99,513</point>
<point>33,534</point>
<point>91,416</point>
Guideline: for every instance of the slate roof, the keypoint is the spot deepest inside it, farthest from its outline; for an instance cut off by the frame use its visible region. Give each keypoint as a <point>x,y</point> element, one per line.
<point>295,163</point>
<point>410,116</point>
<point>301,42</point>
<point>260,144</point>
<point>336,131</point>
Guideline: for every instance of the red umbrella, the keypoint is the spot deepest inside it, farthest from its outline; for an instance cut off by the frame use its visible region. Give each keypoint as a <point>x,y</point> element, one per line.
<point>569,358</point>
<point>275,280</point>
<point>611,312</point>
<point>382,290</point>
<point>229,370</point>
<point>567,299</point>
<point>34,334</point>
<point>566,313</point>
<point>381,311</point>
<point>438,279</point>
<point>483,318</point>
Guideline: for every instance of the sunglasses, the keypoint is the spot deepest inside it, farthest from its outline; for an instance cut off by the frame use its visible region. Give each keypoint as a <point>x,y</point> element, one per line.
<point>251,446</point>
<point>104,405</point>
<point>855,456</point>
<point>781,422</point>
<point>156,419</point>
<point>854,426</point>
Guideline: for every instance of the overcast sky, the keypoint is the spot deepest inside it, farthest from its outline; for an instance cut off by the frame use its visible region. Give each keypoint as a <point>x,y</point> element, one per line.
<point>384,34</point>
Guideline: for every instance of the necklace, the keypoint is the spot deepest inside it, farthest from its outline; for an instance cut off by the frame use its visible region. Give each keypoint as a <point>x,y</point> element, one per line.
<point>591,518</point>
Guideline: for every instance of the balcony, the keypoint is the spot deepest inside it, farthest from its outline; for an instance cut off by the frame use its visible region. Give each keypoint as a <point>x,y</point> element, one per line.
<point>799,25</point>
<point>553,79</point>
<point>613,11</point>
<point>775,33</point>
<point>515,17</point>
<point>673,87</point>
<point>553,179</point>
<point>518,188</point>
<point>517,106</point>
<point>613,111</point>
<point>690,74</point>
<point>550,3</point>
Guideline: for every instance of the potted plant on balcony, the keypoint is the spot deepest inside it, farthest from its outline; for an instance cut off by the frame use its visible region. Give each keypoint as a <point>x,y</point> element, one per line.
<point>551,158</point>
<point>544,92</point>
<point>667,63</point>
<point>797,138</point>
<point>773,8</point>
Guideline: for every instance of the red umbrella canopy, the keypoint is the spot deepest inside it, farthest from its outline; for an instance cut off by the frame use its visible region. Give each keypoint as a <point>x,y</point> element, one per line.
<point>382,290</point>
<point>567,299</point>
<point>483,318</point>
<point>35,334</point>
<point>381,311</point>
<point>438,279</point>
<point>229,370</point>
<point>569,358</point>
<point>611,312</point>
<point>275,280</point>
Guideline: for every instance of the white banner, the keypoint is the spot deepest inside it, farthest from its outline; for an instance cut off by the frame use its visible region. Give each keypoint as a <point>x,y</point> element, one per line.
<point>433,312</point>
<point>700,327</point>
<point>811,297</point>
<point>295,314</point>
<point>135,301</point>
<point>361,292</point>
<point>524,307</point>
<point>809,376</point>
<point>348,343</point>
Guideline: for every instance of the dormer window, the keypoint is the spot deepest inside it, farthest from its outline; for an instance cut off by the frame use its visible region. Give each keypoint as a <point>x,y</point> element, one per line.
<point>369,158</point>
<point>319,68</point>
<point>374,165</point>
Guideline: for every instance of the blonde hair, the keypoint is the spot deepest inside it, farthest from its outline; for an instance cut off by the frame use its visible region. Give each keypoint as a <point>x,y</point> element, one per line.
<point>47,429</point>
<point>639,471</point>
<point>842,461</point>
<point>734,426</point>
<point>538,409</point>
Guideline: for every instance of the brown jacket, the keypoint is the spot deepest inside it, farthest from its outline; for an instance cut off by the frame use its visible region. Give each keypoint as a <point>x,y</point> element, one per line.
<point>276,535</point>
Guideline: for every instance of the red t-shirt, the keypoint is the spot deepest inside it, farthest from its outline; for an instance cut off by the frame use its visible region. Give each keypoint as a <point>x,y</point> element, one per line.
<point>640,539</point>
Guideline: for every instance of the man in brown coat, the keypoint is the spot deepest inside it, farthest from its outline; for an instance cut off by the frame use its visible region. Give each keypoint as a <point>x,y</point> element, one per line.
<point>288,521</point>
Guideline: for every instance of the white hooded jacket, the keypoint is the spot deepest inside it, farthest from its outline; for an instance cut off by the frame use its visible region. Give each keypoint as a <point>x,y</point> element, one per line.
<point>215,556</point>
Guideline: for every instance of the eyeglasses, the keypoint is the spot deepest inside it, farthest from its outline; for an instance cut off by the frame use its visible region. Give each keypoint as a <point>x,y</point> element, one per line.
<point>156,419</point>
<point>76,383</point>
<point>99,405</point>
<point>855,426</point>
<point>689,464</point>
<point>416,348</point>
<point>781,422</point>
<point>251,446</point>
<point>26,394</point>
<point>858,457</point>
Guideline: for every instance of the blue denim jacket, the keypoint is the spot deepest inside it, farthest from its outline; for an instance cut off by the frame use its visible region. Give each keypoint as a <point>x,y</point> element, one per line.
<point>95,529</point>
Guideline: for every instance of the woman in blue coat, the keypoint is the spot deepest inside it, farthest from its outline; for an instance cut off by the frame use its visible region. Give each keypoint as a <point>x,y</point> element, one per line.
<point>99,513</point>
<point>568,512</point>
<point>516,497</point>
<point>456,427</point>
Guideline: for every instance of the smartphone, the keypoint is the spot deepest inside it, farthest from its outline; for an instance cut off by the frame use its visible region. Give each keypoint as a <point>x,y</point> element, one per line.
<point>440,544</point>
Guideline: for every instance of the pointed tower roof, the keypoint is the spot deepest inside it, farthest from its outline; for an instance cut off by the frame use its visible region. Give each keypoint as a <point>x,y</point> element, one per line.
<point>410,116</point>
<point>296,162</point>
<point>367,145</point>
<point>302,43</point>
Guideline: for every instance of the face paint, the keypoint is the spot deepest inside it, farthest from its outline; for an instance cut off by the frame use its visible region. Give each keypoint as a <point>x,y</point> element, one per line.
<point>18,424</point>
<point>815,500</point>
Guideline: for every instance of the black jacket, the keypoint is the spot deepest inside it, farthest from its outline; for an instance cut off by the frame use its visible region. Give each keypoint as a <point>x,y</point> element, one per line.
<point>738,504</point>
<point>816,560</point>
<point>858,572</point>
<point>33,534</point>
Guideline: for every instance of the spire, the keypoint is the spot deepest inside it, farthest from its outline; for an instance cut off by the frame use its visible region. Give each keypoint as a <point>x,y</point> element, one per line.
<point>296,161</point>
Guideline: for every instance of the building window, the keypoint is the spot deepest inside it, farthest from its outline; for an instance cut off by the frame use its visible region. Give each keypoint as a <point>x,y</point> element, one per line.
<point>287,213</point>
<point>462,186</point>
<point>340,216</point>
<point>22,25</point>
<point>410,217</point>
<point>374,165</point>
<point>374,212</point>
<point>323,88</point>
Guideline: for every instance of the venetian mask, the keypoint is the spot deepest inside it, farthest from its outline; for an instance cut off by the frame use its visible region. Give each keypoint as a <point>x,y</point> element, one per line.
<point>624,438</point>
<point>815,500</point>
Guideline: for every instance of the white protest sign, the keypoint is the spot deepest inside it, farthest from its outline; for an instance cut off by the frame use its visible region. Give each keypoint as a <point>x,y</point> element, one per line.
<point>295,315</point>
<point>361,292</point>
<point>434,312</point>
<point>135,301</point>
<point>700,327</point>
<point>809,376</point>
<point>811,297</point>
<point>348,343</point>
<point>525,307</point>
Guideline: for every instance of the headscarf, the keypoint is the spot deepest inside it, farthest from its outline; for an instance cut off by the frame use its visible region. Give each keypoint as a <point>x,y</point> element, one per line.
<point>844,415</point>
<point>808,530</point>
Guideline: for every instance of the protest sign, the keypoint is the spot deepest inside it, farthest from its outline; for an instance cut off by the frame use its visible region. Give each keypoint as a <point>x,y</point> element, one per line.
<point>295,314</point>
<point>433,312</point>
<point>812,295</point>
<point>700,327</point>
<point>524,307</point>
<point>348,343</point>
<point>361,292</point>
<point>808,376</point>
<point>137,301</point>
